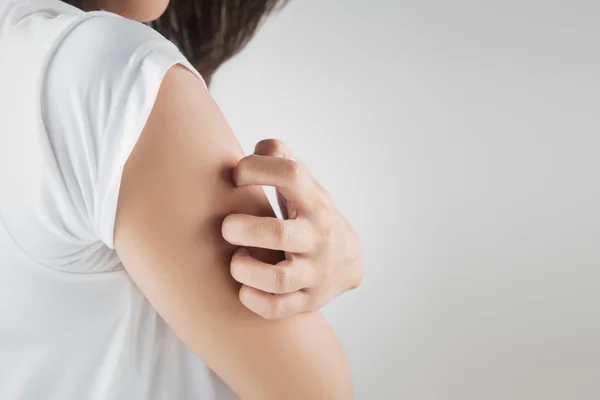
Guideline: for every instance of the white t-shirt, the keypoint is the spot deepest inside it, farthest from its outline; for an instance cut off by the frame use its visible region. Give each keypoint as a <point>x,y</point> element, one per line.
<point>76,90</point>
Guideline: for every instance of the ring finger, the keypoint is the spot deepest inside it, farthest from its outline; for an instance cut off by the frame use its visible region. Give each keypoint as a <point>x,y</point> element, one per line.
<point>286,277</point>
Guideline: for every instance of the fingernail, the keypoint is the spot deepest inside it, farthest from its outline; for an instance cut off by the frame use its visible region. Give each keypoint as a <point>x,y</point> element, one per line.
<point>280,152</point>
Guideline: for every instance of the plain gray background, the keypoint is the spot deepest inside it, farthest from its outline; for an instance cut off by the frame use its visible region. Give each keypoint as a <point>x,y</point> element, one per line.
<point>462,140</point>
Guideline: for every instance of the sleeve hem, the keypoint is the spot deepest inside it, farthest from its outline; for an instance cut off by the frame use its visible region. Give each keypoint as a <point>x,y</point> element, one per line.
<point>130,113</point>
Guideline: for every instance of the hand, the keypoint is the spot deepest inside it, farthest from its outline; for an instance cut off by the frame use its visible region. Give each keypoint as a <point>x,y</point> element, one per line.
<point>323,257</point>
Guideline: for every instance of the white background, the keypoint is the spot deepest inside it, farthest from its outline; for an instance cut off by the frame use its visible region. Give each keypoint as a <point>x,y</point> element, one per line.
<point>462,140</point>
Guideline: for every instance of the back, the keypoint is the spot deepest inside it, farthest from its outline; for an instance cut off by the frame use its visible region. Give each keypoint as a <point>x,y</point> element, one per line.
<point>72,324</point>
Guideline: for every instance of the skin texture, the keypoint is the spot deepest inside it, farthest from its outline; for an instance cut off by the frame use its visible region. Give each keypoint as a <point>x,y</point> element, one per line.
<point>322,252</point>
<point>176,191</point>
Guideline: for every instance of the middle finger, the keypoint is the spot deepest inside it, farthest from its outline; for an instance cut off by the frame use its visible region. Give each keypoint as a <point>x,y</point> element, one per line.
<point>285,277</point>
<point>293,236</point>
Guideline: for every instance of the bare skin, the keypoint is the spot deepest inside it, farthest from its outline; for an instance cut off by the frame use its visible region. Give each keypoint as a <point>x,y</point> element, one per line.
<point>175,193</point>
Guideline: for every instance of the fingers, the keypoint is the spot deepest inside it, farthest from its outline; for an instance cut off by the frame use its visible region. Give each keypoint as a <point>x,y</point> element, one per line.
<point>271,306</point>
<point>273,148</point>
<point>285,277</point>
<point>293,236</point>
<point>289,176</point>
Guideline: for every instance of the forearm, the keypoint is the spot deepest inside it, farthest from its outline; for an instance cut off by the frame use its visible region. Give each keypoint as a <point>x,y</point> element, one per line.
<point>294,358</point>
<point>299,368</point>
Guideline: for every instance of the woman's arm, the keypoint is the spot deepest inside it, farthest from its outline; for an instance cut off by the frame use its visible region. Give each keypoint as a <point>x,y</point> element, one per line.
<point>175,192</point>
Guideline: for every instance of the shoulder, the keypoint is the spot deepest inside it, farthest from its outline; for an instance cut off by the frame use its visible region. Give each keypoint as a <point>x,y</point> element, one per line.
<point>103,58</point>
<point>100,88</point>
<point>104,67</point>
<point>79,90</point>
<point>102,47</point>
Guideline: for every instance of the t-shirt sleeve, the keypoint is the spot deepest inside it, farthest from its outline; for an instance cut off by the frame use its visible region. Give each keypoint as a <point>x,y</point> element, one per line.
<point>98,93</point>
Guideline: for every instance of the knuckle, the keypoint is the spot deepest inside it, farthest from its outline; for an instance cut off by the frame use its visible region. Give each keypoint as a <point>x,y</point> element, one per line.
<point>291,170</point>
<point>280,232</point>
<point>311,238</point>
<point>282,280</point>
<point>259,230</point>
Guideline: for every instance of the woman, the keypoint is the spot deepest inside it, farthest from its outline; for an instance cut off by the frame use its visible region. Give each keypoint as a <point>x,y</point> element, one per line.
<point>116,168</point>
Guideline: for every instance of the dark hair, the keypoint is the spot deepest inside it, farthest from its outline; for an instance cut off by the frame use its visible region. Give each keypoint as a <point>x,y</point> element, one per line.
<point>210,32</point>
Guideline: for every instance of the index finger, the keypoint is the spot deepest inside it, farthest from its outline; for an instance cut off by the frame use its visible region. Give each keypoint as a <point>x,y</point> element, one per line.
<point>289,176</point>
<point>273,148</point>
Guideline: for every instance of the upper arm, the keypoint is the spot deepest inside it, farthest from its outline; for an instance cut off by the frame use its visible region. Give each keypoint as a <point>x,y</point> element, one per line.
<point>175,192</point>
